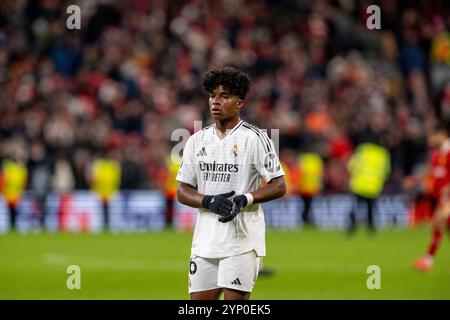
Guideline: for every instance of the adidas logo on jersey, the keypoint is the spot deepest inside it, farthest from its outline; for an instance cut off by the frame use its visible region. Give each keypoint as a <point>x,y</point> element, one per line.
<point>236,282</point>
<point>202,152</point>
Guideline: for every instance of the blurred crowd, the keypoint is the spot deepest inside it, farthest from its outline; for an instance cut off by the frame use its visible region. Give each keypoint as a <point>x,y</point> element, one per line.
<point>118,87</point>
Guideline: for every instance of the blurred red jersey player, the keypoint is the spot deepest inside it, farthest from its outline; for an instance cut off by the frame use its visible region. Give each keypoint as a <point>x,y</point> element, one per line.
<point>439,172</point>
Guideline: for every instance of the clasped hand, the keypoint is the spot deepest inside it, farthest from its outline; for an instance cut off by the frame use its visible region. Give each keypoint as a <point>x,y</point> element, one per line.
<point>223,206</point>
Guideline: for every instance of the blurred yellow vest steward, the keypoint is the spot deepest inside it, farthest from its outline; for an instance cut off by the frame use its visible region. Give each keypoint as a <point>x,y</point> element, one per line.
<point>369,167</point>
<point>440,48</point>
<point>311,173</point>
<point>15,177</point>
<point>105,178</point>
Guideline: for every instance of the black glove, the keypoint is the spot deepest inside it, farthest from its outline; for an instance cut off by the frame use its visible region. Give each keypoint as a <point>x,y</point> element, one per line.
<point>219,203</point>
<point>239,202</point>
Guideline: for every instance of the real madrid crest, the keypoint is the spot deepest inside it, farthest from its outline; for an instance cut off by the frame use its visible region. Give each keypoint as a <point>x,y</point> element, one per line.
<point>234,151</point>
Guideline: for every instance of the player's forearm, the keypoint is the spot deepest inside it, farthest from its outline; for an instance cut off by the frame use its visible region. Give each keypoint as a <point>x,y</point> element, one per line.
<point>189,196</point>
<point>276,188</point>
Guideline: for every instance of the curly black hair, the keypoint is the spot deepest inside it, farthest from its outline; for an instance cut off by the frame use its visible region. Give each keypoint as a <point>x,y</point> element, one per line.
<point>233,80</point>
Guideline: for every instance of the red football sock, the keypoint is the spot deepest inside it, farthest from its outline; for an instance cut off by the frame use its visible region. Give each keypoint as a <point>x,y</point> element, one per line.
<point>435,242</point>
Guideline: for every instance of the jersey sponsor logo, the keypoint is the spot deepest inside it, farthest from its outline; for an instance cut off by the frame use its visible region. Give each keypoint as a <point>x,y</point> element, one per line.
<point>218,172</point>
<point>219,167</point>
<point>217,177</point>
<point>271,163</point>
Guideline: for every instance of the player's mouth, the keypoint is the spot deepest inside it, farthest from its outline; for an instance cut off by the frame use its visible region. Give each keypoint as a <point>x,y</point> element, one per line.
<point>216,111</point>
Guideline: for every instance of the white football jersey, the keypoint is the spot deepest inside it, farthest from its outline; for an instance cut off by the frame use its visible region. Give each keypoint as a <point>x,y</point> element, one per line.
<point>239,161</point>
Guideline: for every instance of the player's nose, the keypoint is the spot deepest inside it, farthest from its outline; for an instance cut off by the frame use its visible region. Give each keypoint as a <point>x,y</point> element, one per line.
<point>215,104</point>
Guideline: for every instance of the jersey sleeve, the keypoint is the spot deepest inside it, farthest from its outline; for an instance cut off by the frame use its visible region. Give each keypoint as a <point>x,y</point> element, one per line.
<point>265,158</point>
<point>186,172</point>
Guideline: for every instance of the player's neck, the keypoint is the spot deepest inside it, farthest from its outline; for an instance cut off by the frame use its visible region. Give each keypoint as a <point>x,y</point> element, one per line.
<point>224,125</point>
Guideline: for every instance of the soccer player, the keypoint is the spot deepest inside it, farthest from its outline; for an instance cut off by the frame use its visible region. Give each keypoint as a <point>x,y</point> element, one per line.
<point>221,173</point>
<point>439,171</point>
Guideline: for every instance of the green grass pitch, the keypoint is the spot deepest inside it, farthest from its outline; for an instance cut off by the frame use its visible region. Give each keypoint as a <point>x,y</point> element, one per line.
<point>309,264</point>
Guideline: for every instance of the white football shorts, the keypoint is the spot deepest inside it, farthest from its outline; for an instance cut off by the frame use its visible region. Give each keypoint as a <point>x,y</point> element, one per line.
<point>237,272</point>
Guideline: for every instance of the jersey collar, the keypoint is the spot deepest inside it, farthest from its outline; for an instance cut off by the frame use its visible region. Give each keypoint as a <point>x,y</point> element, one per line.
<point>229,131</point>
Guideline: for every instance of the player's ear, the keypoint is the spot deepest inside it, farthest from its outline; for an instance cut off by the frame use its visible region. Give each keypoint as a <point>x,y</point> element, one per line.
<point>240,104</point>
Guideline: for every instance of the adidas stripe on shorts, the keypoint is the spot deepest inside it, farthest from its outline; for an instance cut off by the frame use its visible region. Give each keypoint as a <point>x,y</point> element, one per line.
<point>236,272</point>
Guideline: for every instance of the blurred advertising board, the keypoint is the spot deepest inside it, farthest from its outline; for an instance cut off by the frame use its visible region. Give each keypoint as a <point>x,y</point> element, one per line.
<point>83,212</point>
<point>135,211</point>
